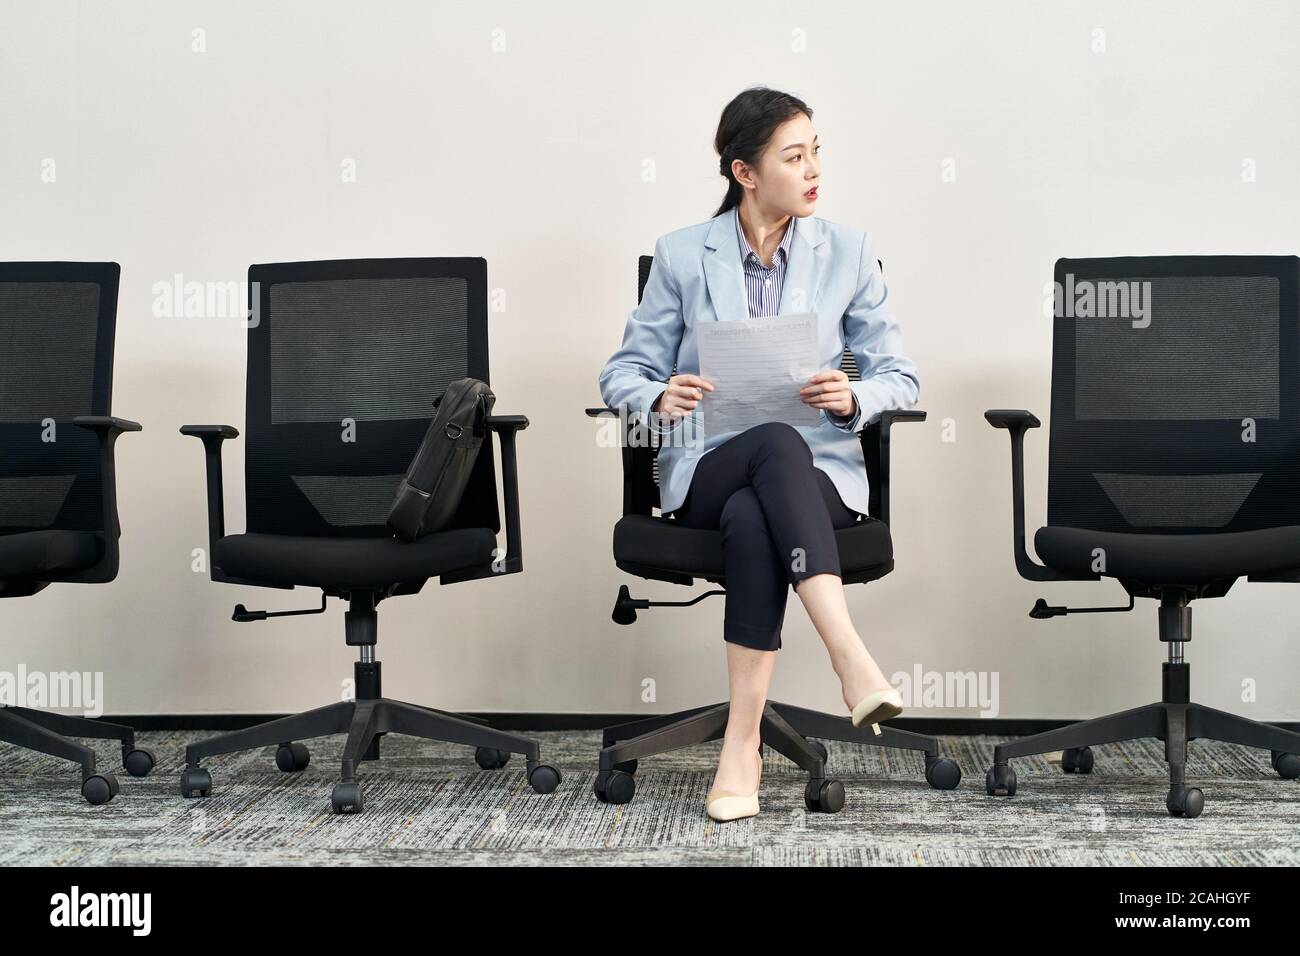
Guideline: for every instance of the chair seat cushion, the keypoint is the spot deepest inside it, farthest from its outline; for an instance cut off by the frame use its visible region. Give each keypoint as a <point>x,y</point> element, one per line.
<point>662,543</point>
<point>351,562</point>
<point>1171,558</point>
<point>33,555</point>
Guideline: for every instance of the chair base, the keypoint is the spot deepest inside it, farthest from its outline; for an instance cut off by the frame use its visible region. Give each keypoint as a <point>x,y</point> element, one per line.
<point>365,721</point>
<point>48,734</point>
<point>1175,720</point>
<point>784,727</point>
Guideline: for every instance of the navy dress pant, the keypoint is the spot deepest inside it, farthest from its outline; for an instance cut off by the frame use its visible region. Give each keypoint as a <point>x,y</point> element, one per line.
<point>777,513</point>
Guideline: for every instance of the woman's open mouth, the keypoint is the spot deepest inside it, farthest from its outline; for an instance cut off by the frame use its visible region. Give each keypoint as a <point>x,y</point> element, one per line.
<point>811,194</point>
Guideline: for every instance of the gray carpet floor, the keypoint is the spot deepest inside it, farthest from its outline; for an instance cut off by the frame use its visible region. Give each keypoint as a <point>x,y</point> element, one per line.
<point>429,804</point>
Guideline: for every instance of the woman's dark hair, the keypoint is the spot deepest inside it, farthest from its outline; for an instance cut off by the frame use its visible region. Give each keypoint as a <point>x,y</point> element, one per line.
<point>745,129</point>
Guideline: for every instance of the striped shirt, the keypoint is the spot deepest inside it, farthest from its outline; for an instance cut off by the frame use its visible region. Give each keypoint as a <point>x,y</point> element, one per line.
<point>763,285</point>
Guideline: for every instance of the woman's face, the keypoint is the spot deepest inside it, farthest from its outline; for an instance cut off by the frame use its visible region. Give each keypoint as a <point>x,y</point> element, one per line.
<point>789,171</point>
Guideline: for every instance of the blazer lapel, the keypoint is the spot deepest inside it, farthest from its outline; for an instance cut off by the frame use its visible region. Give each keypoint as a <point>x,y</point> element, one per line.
<point>723,272</point>
<point>809,252</point>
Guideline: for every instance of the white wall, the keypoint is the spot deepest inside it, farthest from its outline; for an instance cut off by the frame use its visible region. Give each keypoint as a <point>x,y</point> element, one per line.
<point>174,161</point>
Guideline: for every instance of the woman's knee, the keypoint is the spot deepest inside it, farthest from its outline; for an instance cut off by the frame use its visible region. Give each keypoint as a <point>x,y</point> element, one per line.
<point>742,519</point>
<point>782,440</point>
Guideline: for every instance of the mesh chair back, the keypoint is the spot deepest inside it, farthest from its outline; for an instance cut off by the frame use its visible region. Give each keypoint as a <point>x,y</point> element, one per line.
<point>345,360</point>
<point>1174,394</point>
<point>56,362</point>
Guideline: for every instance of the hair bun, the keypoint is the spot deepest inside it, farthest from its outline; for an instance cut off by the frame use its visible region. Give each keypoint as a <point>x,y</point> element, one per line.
<point>724,162</point>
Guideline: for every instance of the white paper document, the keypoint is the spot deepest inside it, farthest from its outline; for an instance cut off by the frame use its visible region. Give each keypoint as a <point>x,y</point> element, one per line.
<point>757,366</point>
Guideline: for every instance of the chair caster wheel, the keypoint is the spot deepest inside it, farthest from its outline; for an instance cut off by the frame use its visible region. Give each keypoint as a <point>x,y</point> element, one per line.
<point>346,797</point>
<point>99,788</point>
<point>820,747</point>
<point>292,757</point>
<point>195,782</point>
<point>616,786</point>
<point>1185,802</point>
<point>942,773</point>
<point>1000,781</point>
<point>1286,765</point>
<point>824,796</point>
<point>138,761</point>
<point>489,758</point>
<point>542,778</point>
<point>1077,760</point>
<point>627,766</point>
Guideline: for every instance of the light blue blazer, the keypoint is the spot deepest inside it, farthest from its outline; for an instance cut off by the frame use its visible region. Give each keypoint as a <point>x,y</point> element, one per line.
<point>697,276</point>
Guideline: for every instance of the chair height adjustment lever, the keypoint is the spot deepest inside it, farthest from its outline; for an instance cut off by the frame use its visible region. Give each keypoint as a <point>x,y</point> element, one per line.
<point>243,615</point>
<point>626,606</point>
<point>1042,610</point>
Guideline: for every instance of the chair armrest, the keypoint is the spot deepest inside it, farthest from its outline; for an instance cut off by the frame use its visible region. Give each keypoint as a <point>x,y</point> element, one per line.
<point>875,451</point>
<point>506,427</point>
<point>212,437</point>
<point>103,424</point>
<point>1012,418</point>
<point>221,431</point>
<point>107,428</point>
<point>503,423</point>
<point>1017,421</point>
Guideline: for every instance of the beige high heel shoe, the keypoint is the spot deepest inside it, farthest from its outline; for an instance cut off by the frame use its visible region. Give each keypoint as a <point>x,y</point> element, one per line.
<point>723,805</point>
<point>877,706</point>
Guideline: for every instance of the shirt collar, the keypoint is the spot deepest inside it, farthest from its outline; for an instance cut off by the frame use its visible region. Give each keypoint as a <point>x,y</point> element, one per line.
<point>746,250</point>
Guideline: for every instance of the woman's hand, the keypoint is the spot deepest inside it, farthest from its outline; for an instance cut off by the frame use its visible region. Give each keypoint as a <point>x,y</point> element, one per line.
<point>829,390</point>
<point>684,392</point>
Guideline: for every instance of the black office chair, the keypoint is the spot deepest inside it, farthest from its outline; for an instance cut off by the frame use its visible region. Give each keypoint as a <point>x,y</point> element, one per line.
<point>58,495</point>
<point>1173,467</point>
<point>658,548</point>
<point>345,360</point>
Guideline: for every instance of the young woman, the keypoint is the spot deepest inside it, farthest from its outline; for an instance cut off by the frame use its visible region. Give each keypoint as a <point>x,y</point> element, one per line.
<point>775,491</point>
